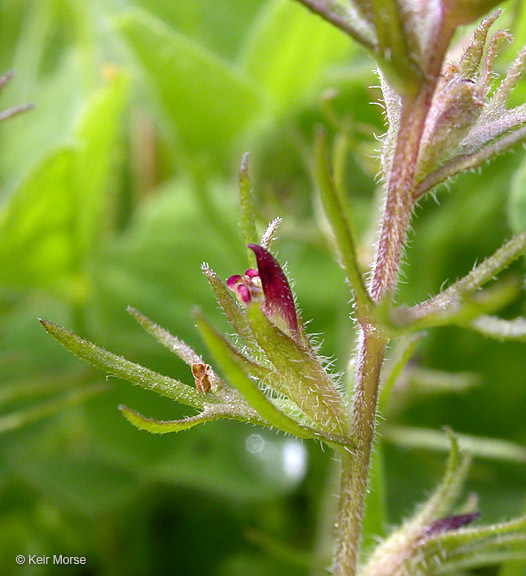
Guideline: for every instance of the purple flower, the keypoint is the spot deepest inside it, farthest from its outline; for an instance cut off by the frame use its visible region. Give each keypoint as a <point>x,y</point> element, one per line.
<point>269,287</point>
<point>247,288</point>
<point>450,523</point>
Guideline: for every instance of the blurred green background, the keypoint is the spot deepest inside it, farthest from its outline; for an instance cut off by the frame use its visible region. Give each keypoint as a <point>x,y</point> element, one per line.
<point>115,189</point>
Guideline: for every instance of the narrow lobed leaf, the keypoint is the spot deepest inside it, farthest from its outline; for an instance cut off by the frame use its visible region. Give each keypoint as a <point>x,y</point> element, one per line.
<point>468,161</point>
<point>174,344</point>
<point>505,550</point>
<point>453,304</point>
<point>235,316</point>
<point>445,494</point>
<point>477,446</point>
<point>400,551</point>
<point>341,227</point>
<point>500,329</point>
<point>167,426</point>
<point>471,59</point>
<point>505,88</point>
<point>477,539</point>
<point>404,354</point>
<point>122,368</point>
<point>301,376</point>
<point>234,369</point>
<point>269,233</point>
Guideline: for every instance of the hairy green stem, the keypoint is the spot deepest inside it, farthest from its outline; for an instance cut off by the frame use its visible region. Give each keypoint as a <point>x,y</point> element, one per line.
<point>370,353</point>
<point>355,466</point>
<point>397,212</point>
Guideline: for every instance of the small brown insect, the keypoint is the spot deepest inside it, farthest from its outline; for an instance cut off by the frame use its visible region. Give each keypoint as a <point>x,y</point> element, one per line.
<point>200,374</point>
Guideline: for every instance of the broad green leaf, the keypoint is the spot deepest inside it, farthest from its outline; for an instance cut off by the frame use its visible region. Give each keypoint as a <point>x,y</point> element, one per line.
<point>122,368</point>
<point>218,25</point>
<point>288,49</point>
<point>36,247</point>
<point>58,212</point>
<point>99,149</point>
<point>30,138</point>
<point>209,101</point>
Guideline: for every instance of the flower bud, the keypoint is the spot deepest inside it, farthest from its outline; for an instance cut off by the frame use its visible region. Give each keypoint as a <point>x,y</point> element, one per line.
<point>268,286</point>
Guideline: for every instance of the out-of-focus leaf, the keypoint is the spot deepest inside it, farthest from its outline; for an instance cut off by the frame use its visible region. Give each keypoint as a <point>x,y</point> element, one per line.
<point>73,478</point>
<point>219,25</point>
<point>494,327</point>
<point>375,506</point>
<point>36,247</point>
<point>517,201</point>
<point>58,212</point>
<point>209,101</point>
<point>27,140</point>
<point>287,49</point>
<point>513,568</point>
<point>14,420</point>
<point>99,152</point>
<point>155,266</point>
<point>434,440</point>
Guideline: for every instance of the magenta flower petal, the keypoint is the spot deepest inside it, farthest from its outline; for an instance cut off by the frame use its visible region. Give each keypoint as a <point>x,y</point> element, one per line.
<point>233,281</point>
<point>279,303</point>
<point>243,294</point>
<point>246,288</point>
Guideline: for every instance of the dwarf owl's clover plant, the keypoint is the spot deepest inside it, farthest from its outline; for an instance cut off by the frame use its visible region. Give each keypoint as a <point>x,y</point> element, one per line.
<point>444,116</point>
